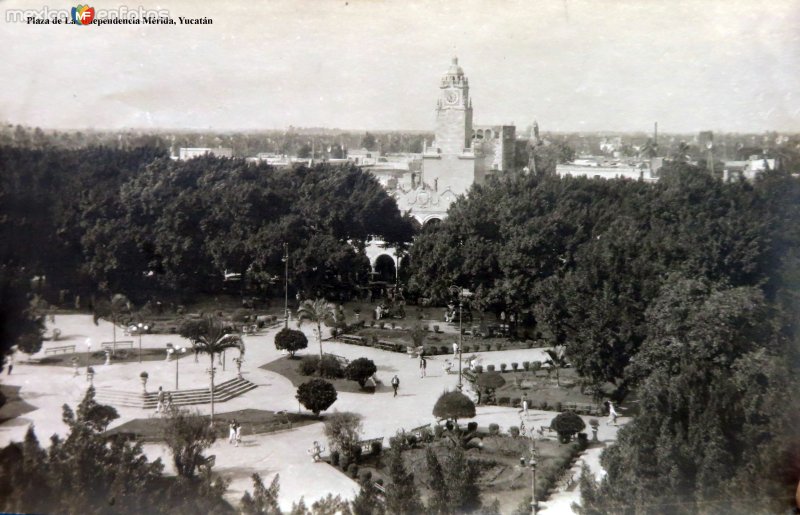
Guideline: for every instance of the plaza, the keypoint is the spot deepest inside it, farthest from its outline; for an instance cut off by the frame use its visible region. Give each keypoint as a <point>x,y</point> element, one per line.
<point>283,452</point>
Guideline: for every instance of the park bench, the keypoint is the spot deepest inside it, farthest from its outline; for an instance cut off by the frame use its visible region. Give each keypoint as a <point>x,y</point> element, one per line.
<point>349,338</point>
<point>385,346</point>
<point>341,359</point>
<point>125,344</point>
<point>366,445</point>
<point>58,350</point>
<point>417,431</point>
<point>207,463</point>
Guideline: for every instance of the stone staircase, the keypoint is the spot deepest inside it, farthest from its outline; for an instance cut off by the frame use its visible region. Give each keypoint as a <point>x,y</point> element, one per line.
<point>222,392</point>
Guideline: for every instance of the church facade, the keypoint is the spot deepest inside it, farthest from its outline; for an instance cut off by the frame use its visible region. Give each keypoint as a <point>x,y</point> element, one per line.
<point>462,154</point>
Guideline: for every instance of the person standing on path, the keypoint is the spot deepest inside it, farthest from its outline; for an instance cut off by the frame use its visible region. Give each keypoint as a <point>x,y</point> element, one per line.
<point>455,349</point>
<point>160,398</point>
<point>231,431</point>
<point>423,364</point>
<point>237,433</point>
<point>395,384</point>
<point>525,404</point>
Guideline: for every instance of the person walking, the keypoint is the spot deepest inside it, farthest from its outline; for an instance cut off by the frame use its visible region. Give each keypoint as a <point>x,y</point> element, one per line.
<point>237,433</point>
<point>168,406</point>
<point>231,431</point>
<point>612,414</point>
<point>160,400</point>
<point>525,404</point>
<point>455,349</point>
<point>395,384</point>
<point>423,364</point>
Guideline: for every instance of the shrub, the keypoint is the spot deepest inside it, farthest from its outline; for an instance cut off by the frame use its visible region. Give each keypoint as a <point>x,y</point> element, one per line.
<point>393,324</point>
<point>375,448</point>
<point>543,405</point>
<point>381,325</point>
<point>425,435</point>
<point>425,328</point>
<point>454,405</point>
<point>498,346</point>
<point>514,366</point>
<point>503,367</point>
<point>567,424</point>
<point>365,475</point>
<point>530,344</point>
<point>436,329</point>
<point>504,401</point>
<point>372,323</point>
<point>342,431</point>
<point>359,370</point>
<point>344,463</point>
<point>330,367</point>
<point>526,365</point>
<point>355,452</point>
<point>472,426</point>
<point>583,440</point>
<point>335,458</point>
<point>494,429</point>
<point>438,431</point>
<point>513,431</point>
<point>308,366</point>
<point>478,369</point>
<point>490,368</point>
<point>316,395</point>
<point>443,349</point>
<point>488,347</point>
<point>466,348</point>
<point>516,401</point>
<point>536,365</point>
<point>290,340</point>
<point>558,406</point>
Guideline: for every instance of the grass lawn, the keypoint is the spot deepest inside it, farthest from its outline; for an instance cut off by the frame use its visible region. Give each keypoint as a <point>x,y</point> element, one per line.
<point>99,357</point>
<point>14,406</point>
<point>501,475</point>
<point>439,342</point>
<point>541,388</point>
<point>288,368</point>
<point>253,422</point>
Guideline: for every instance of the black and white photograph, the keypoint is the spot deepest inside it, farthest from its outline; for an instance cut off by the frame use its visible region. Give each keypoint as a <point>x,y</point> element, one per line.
<point>382,257</point>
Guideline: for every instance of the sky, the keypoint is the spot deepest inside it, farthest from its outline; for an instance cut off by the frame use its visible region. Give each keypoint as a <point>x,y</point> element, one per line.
<point>613,65</point>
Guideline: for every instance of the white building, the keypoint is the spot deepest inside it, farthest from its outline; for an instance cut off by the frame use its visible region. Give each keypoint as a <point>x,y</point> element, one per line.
<point>190,153</point>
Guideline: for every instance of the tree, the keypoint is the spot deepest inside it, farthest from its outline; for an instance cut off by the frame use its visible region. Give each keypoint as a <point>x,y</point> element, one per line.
<point>437,501</point>
<point>461,476</point>
<point>187,436</point>
<point>20,325</point>
<point>556,360</point>
<point>264,500</point>
<point>566,424</point>
<point>453,405</point>
<point>112,309</point>
<point>402,494</point>
<point>290,340</point>
<point>317,312</point>
<point>316,395</point>
<point>209,336</point>
<point>487,383</point>
<point>360,370</point>
<point>369,142</point>
<point>343,431</point>
<point>367,502</point>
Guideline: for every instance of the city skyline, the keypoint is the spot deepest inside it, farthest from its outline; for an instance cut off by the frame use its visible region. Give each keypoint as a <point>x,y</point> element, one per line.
<point>364,65</point>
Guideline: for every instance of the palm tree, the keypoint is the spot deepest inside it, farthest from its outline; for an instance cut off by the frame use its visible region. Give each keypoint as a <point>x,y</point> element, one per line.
<point>681,152</point>
<point>209,336</point>
<point>318,312</point>
<point>556,359</point>
<point>112,310</point>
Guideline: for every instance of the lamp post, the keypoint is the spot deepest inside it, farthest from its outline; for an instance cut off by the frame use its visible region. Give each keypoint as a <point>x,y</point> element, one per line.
<point>141,328</point>
<point>462,294</point>
<point>88,354</point>
<point>285,285</point>
<point>532,463</point>
<point>176,350</point>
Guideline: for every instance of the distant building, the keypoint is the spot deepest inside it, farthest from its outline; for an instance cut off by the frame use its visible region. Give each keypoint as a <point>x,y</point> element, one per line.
<point>600,170</point>
<point>191,153</point>
<point>749,169</point>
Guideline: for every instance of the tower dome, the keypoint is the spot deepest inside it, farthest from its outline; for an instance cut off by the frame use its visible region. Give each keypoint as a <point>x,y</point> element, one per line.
<point>455,69</point>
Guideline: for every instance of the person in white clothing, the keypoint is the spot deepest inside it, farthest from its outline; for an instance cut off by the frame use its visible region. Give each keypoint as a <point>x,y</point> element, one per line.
<point>612,414</point>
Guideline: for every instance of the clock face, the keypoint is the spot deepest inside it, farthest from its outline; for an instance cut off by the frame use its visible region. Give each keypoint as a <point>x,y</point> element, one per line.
<point>451,97</point>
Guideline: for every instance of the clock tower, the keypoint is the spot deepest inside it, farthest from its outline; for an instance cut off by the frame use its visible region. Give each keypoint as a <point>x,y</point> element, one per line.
<point>454,112</point>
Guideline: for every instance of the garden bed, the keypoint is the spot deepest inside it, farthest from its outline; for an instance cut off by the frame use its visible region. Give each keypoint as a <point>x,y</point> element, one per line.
<point>253,422</point>
<point>501,475</point>
<point>99,357</point>
<point>288,368</point>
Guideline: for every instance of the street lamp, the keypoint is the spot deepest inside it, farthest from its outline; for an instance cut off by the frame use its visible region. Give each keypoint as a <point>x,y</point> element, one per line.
<point>176,350</point>
<point>88,354</point>
<point>532,463</point>
<point>141,328</point>
<point>462,293</point>
<point>285,285</point>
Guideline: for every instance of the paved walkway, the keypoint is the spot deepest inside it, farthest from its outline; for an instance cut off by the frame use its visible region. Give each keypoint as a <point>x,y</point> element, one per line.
<point>284,453</point>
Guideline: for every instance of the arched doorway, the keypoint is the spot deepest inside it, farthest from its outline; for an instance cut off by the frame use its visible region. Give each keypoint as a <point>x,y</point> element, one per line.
<point>385,269</point>
<point>432,222</point>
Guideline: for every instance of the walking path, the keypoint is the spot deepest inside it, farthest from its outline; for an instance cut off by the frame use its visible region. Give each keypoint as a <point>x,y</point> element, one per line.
<point>284,453</point>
